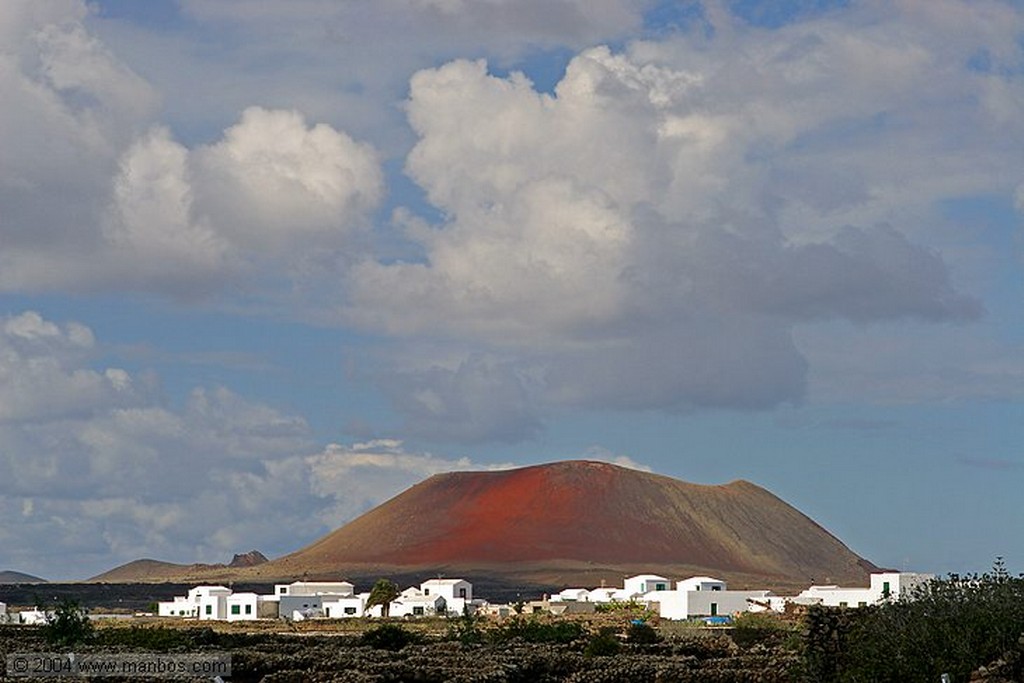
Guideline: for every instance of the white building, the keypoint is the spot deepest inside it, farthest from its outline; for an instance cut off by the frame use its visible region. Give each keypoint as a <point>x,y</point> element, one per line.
<point>422,605</point>
<point>32,617</point>
<point>250,607</point>
<point>603,594</point>
<point>641,584</point>
<point>884,586</point>
<point>304,588</point>
<point>211,601</point>
<point>204,602</point>
<point>700,583</point>
<point>457,593</point>
<point>572,595</point>
<point>180,606</point>
<point>343,607</point>
<point>704,596</point>
<point>3,610</point>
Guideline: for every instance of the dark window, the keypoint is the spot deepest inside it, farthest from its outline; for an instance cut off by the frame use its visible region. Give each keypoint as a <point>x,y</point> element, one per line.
<point>209,609</point>
<point>716,588</point>
<point>236,609</point>
<point>714,609</point>
<point>659,586</point>
<point>885,589</point>
<point>417,611</point>
<point>462,592</point>
<point>350,610</point>
<point>248,609</point>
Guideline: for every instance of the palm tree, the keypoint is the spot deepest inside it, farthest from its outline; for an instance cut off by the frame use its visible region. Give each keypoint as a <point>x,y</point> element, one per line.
<point>382,593</point>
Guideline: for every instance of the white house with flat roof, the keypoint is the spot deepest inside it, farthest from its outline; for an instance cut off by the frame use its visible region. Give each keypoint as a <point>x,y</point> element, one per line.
<point>572,595</point>
<point>345,607</point>
<point>305,588</point>
<point>204,602</point>
<point>422,605</point>
<point>211,602</point>
<point>635,586</point>
<point>603,594</point>
<point>180,606</point>
<point>700,583</point>
<point>250,607</point>
<point>704,596</point>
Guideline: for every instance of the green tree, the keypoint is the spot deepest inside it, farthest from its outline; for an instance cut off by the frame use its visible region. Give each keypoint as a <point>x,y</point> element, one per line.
<point>383,593</point>
<point>68,625</point>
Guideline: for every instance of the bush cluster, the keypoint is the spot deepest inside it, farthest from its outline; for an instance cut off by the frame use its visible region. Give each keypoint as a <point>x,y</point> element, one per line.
<point>537,631</point>
<point>949,626</point>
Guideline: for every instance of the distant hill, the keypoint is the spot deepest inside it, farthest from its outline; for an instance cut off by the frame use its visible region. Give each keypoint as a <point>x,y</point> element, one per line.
<point>147,570</point>
<point>18,577</point>
<point>565,523</point>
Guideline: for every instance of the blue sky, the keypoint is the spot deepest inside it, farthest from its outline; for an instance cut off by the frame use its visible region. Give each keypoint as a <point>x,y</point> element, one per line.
<point>264,265</point>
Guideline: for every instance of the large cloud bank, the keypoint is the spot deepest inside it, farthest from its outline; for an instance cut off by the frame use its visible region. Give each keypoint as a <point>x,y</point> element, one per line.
<point>648,235</point>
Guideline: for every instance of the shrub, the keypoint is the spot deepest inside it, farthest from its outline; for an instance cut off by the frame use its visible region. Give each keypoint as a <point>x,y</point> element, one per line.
<point>68,625</point>
<point>603,644</point>
<point>761,628</point>
<point>465,629</point>
<point>641,633</point>
<point>389,637</point>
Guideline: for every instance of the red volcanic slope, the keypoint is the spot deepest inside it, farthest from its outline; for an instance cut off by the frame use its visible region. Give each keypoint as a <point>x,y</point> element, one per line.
<point>581,511</point>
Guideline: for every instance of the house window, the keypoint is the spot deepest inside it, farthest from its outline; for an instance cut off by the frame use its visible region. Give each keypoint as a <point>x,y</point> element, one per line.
<point>885,589</point>
<point>236,609</point>
<point>716,588</point>
<point>417,611</point>
<point>659,586</point>
<point>283,590</point>
<point>248,609</point>
<point>844,604</point>
<point>714,609</point>
<point>462,592</point>
<point>350,610</point>
<point>209,609</point>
